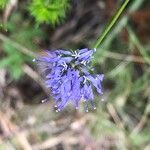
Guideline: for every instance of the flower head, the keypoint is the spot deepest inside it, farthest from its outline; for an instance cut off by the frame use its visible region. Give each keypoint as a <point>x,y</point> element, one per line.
<point>68,76</point>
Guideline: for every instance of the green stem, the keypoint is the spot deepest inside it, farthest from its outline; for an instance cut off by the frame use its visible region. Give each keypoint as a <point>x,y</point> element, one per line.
<point>108,28</point>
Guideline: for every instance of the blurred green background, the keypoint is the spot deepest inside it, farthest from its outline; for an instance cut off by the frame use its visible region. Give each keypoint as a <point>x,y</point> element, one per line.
<point>121,121</point>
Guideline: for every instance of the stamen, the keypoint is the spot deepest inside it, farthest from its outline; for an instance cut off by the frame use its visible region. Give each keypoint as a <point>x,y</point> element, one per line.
<point>76,55</point>
<point>44,100</point>
<point>57,110</point>
<point>83,62</point>
<point>64,65</point>
<point>34,60</point>
<point>85,79</point>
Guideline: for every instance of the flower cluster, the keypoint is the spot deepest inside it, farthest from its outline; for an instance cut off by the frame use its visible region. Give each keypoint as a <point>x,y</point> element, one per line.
<point>69,78</point>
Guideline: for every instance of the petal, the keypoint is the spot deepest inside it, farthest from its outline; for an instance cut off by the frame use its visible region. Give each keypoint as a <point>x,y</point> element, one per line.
<point>63,52</point>
<point>100,77</point>
<point>86,56</point>
<point>64,98</point>
<point>96,83</point>
<point>83,50</point>
<point>76,93</point>
<point>91,95</point>
<point>51,54</point>
<point>85,71</point>
<point>87,92</point>
<point>42,59</point>
<point>65,59</point>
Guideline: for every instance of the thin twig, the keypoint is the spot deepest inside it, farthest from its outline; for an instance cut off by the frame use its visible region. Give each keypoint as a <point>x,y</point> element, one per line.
<point>27,69</point>
<point>23,141</point>
<point>147,147</point>
<point>46,126</point>
<point>137,43</point>
<point>53,141</point>
<point>114,115</point>
<point>142,122</point>
<point>35,76</point>
<point>129,58</point>
<point>7,126</point>
<point>19,47</point>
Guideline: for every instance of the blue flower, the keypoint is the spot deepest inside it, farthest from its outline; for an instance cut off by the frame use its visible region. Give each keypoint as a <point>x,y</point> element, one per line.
<point>68,77</point>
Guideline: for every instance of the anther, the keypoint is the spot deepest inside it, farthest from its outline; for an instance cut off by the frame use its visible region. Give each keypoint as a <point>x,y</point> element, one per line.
<point>34,60</point>
<point>57,110</point>
<point>44,100</point>
<point>87,110</point>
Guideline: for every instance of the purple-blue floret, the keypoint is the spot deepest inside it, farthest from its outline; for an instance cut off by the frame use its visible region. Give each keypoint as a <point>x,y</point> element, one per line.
<point>68,75</point>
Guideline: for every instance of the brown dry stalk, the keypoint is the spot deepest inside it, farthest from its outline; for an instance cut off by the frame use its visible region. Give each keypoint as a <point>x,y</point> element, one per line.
<point>129,58</point>
<point>19,47</point>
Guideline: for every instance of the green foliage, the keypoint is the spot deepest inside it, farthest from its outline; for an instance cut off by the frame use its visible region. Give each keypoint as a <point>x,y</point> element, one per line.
<point>142,138</point>
<point>102,126</point>
<point>3,3</point>
<point>23,33</point>
<point>48,11</point>
<point>129,90</point>
<point>13,60</point>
